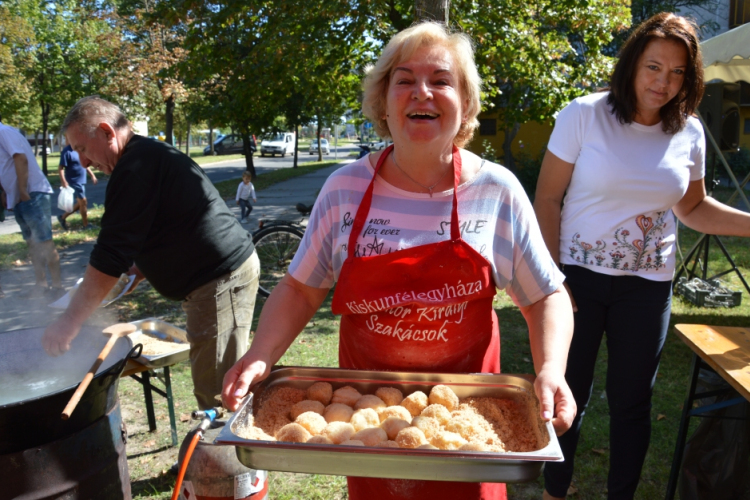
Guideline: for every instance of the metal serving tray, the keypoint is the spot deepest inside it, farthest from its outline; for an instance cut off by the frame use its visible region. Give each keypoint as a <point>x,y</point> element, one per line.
<point>434,465</point>
<point>163,331</point>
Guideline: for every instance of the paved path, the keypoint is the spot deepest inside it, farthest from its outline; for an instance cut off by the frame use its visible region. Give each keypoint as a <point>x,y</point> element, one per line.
<point>217,172</point>
<point>277,201</point>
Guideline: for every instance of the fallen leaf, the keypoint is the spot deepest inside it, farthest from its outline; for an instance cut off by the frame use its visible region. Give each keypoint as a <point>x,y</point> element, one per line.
<point>150,443</point>
<point>572,490</point>
<point>661,416</point>
<point>184,417</point>
<point>527,360</point>
<point>599,451</point>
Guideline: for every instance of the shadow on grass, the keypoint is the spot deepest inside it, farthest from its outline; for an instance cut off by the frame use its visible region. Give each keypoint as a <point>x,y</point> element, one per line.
<point>149,452</point>
<point>163,483</point>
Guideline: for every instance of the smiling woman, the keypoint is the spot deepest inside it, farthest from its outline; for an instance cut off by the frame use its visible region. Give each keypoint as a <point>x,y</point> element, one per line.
<point>418,238</point>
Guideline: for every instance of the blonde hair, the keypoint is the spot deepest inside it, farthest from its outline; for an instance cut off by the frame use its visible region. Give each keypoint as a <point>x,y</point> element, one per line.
<point>90,111</point>
<point>400,48</point>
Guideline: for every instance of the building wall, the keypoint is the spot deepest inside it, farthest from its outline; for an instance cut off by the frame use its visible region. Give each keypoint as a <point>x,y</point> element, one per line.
<point>716,11</point>
<point>531,139</point>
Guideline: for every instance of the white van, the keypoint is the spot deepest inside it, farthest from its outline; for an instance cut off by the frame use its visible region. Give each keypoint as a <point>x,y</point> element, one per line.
<point>278,144</point>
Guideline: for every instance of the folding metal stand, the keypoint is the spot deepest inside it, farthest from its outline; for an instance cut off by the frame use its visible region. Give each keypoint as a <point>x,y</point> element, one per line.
<point>701,247</point>
<point>148,388</point>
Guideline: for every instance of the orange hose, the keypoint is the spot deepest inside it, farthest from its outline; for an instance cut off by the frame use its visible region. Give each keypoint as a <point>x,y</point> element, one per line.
<point>185,462</point>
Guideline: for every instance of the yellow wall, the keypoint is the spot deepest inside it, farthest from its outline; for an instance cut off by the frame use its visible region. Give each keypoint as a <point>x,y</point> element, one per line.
<point>534,136</point>
<point>531,138</point>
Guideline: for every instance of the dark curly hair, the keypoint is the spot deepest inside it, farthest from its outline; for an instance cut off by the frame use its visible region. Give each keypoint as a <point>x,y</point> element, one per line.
<point>622,97</point>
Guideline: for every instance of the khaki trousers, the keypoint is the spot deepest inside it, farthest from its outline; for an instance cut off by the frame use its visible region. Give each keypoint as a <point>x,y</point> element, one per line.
<point>219,317</point>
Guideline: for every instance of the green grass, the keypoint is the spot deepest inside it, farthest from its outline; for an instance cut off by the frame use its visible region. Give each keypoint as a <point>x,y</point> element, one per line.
<point>150,456</point>
<point>14,251</point>
<point>228,189</point>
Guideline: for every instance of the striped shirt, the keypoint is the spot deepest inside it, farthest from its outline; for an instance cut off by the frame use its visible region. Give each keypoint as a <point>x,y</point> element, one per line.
<point>494,213</point>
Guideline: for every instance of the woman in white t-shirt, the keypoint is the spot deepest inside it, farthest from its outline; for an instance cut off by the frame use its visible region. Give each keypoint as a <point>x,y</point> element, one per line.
<point>621,163</point>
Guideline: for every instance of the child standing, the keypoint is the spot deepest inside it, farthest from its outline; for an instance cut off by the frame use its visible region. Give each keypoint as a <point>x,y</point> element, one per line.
<point>244,191</point>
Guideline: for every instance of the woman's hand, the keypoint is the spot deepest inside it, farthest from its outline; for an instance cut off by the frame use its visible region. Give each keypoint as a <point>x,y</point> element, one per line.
<point>278,326</point>
<point>238,380</point>
<point>557,403</point>
<point>550,322</point>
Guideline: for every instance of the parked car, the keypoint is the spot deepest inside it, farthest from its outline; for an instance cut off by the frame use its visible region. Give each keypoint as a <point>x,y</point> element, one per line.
<point>323,146</point>
<point>377,146</point>
<point>278,144</point>
<point>230,145</point>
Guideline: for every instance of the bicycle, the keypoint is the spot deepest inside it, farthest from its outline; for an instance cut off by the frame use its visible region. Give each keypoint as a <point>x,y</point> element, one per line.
<point>276,242</point>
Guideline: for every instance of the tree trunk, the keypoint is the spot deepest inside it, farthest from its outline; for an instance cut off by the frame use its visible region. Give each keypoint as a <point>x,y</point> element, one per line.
<point>248,151</point>
<point>36,142</point>
<point>432,10</point>
<point>510,134</point>
<point>45,128</point>
<point>296,145</point>
<point>187,139</point>
<point>317,135</point>
<point>211,139</point>
<point>169,119</point>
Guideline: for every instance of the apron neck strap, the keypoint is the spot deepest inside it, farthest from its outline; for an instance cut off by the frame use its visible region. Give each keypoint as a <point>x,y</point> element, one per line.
<point>364,206</point>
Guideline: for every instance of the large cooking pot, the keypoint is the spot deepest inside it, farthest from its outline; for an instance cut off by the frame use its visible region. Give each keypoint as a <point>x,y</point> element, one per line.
<point>34,387</point>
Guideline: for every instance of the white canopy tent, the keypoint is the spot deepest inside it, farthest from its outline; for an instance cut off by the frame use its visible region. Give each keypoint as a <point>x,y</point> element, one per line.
<point>726,57</point>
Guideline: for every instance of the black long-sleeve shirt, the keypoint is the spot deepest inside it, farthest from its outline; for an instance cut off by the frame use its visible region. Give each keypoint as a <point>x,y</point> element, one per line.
<point>162,213</point>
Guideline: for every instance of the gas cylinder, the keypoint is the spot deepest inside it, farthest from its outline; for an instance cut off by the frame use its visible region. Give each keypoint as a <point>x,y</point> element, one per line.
<point>215,473</point>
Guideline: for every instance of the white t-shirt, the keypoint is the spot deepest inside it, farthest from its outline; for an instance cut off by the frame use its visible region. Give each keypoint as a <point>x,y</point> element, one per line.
<point>11,143</point>
<point>494,213</point>
<point>245,191</point>
<point>617,213</point>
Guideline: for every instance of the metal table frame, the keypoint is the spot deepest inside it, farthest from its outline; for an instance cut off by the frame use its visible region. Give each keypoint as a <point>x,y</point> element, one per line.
<point>706,361</point>
<point>131,370</point>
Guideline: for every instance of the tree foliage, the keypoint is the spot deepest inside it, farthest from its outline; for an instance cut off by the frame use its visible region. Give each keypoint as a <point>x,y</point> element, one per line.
<point>242,64</point>
<point>537,56</point>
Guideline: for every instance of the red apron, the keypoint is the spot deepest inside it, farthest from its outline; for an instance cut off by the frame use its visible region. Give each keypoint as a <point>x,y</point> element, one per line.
<point>423,309</point>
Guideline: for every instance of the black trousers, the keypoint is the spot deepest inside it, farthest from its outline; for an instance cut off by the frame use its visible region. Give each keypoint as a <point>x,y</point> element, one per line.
<point>634,313</point>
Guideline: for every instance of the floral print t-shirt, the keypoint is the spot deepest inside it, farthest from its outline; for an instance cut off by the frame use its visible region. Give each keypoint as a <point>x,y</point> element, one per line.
<point>617,213</point>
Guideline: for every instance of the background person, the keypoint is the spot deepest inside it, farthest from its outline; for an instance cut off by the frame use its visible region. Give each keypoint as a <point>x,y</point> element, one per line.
<point>622,163</point>
<point>73,174</point>
<point>245,191</point>
<point>29,195</point>
<point>391,223</point>
<point>163,220</point>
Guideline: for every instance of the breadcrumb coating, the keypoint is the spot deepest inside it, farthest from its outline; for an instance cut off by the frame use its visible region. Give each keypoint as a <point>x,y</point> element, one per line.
<point>474,424</point>
<point>293,433</point>
<point>313,422</point>
<point>390,395</point>
<point>393,425</point>
<point>306,405</point>
<point>321,392</point>
<point>444,395</point>
<point>346,395</point>
<point>415,402</point>
<point>365,418</point>
<point>411,437</point>
<point>337,412</point>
